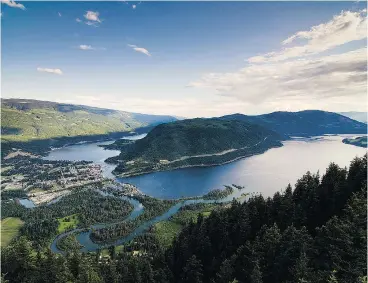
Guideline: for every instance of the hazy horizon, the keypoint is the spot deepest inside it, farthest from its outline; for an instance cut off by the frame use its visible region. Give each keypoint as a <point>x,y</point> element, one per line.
<point>187,59</point>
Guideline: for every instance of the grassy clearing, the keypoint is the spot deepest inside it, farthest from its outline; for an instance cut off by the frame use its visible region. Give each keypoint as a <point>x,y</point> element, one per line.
<point>118,249</point>
<point>68,222</point>
<point>9,229</point>
<point>166,231</point>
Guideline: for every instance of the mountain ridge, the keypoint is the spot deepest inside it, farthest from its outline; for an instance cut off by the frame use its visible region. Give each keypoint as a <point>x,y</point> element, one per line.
<point>38,125</point>
<point>194,142</point>
<point>304,123</point>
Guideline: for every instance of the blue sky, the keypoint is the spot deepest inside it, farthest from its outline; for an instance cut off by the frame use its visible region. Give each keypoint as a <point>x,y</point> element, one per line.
<point>189,59</point>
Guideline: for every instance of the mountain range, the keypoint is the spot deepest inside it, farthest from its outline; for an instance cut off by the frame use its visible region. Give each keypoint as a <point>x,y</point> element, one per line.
<point>37,125</point>
<point>214,141</point>
<point>304,123</point>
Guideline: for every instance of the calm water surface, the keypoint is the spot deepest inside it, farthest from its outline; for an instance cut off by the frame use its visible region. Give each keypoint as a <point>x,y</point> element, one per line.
<point>90,152</point>
<point>266,173</point>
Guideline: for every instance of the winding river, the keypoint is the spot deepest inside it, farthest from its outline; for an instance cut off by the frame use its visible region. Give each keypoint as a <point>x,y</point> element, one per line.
<point>83,237</point>
<point>265,173</point>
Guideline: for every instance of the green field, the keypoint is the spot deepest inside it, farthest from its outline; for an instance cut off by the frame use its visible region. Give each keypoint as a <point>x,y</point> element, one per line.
<point>9,229</point>
<point>166,231</point>
<point>64,224</point>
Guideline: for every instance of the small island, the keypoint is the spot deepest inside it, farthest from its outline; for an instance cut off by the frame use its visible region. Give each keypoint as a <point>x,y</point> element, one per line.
<point>194,142</point>
<point>358,141</point>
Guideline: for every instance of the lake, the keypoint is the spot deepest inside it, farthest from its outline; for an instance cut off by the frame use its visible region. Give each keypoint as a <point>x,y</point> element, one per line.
<point>90,152</point>
<point>265,173</point>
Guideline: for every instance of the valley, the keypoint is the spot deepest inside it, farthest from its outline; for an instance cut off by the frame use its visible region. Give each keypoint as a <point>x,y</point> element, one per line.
<point>123,198</point>
<point>36,126</point>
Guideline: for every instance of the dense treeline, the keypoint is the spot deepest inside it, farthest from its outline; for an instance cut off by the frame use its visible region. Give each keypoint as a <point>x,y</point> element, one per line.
<point>90,207</point>
<point>219,194</point>
<point>152,207</point>
<point>316,233</point>
<point>69,243</point>
<point>111,233</point>
<point>308,235</point>
<point>6,195</point>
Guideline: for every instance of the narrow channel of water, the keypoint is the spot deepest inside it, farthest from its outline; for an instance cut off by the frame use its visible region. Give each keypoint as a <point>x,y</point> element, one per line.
<point>83,237</point>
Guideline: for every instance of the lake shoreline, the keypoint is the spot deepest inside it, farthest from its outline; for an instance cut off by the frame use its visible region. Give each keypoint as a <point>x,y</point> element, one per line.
<point>128,175</point>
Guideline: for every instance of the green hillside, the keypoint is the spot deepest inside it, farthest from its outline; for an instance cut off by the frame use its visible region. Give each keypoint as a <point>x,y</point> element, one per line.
<point>35,124</point>
<point>195,142</point>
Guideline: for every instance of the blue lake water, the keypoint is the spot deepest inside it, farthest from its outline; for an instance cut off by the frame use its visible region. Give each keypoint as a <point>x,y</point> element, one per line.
<point>266,173</point>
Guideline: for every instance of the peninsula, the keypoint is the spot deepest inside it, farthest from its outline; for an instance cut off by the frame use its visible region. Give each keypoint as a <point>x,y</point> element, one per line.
<point>194,142</point>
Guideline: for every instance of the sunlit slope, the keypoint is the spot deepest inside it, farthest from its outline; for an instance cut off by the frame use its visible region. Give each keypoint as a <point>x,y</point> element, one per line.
<point>25,120</point>
<point>194,142</point>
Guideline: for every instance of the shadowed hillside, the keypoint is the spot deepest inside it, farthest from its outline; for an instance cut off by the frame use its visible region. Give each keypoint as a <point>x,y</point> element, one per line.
<point>304,123</point>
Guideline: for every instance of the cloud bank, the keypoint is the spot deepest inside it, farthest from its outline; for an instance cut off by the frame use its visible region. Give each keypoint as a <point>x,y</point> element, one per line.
<point>304,75</point>
<point>344,28</point>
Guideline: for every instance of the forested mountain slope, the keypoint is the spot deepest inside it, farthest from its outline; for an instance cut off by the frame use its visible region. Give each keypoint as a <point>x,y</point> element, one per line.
<point>304,123</point>
<point>32,119</point>
<point>316,233</point>
<point>44,123</point>
<point>193,142</point>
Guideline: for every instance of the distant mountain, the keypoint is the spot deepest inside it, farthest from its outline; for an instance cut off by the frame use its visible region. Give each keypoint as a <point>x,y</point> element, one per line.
<point>358,116</point>
<point>304,123</point>
<point>25,120</point>
<point>194,142</point>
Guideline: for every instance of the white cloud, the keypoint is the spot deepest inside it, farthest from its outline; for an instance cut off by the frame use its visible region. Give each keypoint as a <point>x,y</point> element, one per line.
<point>134,6</point>
<point>85,47</point>
<point>89,47</point>
<point>13,4</point>
<point>140,49</point>
<point>78,20</point>
<point>343,28</point>
<point>292,79</point>
<point>340,75</point>
<point>48,70</point>
<point>92,16</point>
<point>59,14</point>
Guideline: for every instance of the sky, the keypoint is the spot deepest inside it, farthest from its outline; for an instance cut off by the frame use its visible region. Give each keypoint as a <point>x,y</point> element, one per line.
<point>189,59</point>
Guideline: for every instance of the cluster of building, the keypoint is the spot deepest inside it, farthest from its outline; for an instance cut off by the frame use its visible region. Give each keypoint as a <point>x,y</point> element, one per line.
<point>44,176</point>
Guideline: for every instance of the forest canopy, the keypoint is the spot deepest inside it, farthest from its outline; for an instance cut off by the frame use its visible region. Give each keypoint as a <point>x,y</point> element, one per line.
<point>315,232</point>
